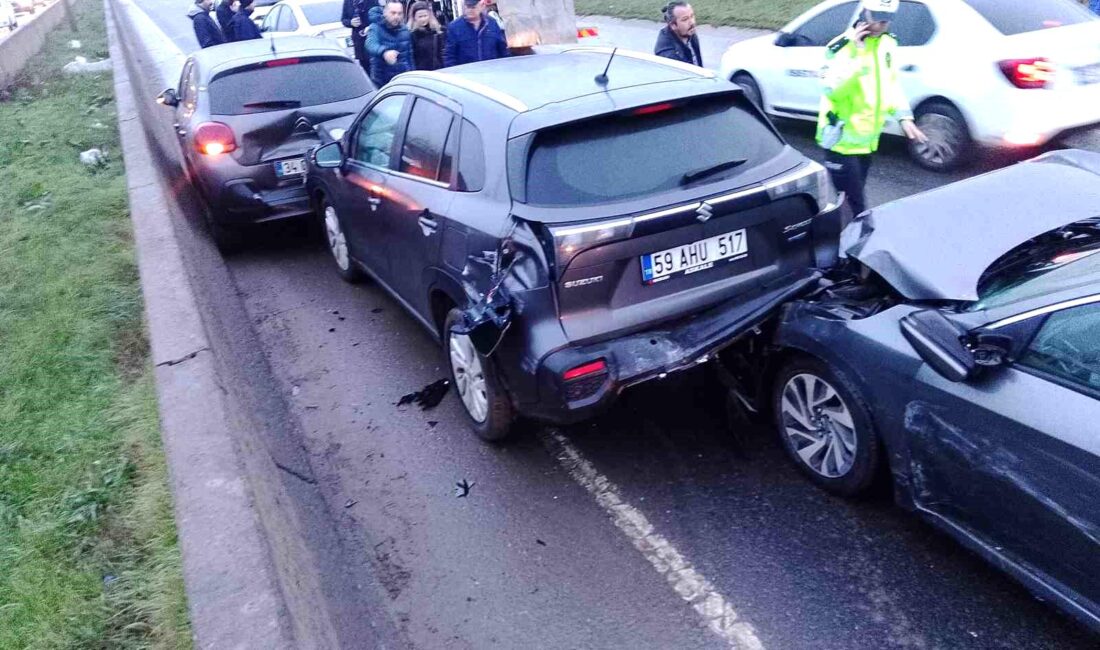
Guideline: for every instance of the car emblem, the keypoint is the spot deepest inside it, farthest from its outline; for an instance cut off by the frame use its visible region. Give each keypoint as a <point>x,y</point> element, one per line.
<point>704,213</point>
<point>303,125</point>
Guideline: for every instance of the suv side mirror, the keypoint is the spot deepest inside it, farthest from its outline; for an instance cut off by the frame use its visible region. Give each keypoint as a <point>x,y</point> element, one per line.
<point>168,98</point>
<point>329,156</point>
<point>939,342</point>
<point>783,39</point>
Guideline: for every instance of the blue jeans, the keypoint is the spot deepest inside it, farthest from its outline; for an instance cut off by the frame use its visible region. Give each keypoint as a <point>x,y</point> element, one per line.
<point>1094,5</point>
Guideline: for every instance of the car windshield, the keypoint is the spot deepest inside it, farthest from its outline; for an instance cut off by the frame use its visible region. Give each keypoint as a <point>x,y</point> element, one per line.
<point>1057,260</point>
<point>1011,18</point>
<point>647,150</point>
<point>323,13</point>
<point>255,89</point>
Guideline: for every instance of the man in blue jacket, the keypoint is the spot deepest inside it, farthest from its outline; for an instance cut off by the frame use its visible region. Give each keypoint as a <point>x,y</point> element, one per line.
<point>473,37</point>
<point>241,28</point>
<point>206,30</point>
<point>389,44</point>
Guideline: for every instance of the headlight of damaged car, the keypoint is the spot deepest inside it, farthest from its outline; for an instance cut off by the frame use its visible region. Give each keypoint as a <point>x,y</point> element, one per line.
<point>813,179</point>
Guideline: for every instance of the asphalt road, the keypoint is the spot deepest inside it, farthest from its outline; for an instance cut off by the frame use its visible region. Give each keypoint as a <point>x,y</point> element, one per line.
<point>530,559</point>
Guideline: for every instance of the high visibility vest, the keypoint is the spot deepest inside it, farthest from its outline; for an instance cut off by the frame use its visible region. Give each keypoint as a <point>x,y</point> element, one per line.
<point>861,88</point>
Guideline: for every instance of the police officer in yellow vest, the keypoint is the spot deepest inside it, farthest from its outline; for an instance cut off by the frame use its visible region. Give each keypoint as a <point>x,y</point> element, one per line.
<point>861,92</point>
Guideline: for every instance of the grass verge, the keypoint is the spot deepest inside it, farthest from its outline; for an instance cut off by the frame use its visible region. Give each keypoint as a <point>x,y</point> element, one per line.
<point>765,14</point>
<point>88,550</point>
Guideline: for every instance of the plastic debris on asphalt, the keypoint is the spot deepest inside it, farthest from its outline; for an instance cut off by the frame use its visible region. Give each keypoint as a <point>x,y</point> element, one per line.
<point>428,397</point>
<point>462,488</point>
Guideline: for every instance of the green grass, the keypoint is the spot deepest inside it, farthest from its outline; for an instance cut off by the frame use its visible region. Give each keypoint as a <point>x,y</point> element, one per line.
<point>767,14</point>
<point>88,551</point>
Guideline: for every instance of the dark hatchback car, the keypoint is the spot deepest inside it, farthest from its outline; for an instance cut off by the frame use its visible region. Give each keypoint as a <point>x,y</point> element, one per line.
<point>567,238</point>
<point>960,349</point>
<point>247,113</point>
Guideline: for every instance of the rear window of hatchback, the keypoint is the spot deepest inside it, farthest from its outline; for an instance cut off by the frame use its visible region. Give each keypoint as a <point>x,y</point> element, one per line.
<point>286,83</point>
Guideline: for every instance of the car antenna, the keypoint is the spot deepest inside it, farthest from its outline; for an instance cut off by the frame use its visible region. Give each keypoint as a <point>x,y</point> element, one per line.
<point>273,52</point>
<point>601,78</point>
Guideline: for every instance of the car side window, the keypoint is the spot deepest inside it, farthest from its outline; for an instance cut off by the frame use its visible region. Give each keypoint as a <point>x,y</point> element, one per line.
<point>374,139</point>
<point>425,139</point>
<point>271,20</point>
<point>914,24</point>
<point>471,159</point>
<point>287,21</point>
<point>819,30</point>
<point>1068,347</point>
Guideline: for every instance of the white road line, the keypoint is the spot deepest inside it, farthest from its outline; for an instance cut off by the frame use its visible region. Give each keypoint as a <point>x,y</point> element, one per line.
<point>688,583</point>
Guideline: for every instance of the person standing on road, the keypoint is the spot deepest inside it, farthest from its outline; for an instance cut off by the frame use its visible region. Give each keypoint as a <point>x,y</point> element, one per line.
<point>241,28</point>
<point>206,30</point>
<point>389,44</point>
<point>861,90</point>
<point>427,37</point>
<point>677,40</point>
<point>1094,5</point>
<point>225,12</point>
<point>356,15</point>
<point>473,37</point>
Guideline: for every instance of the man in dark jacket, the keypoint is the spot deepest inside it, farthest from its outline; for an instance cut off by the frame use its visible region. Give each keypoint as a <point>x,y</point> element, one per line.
<point>241,28</point>
<point>389,44</point>
<point>677,39</point>
<point>356,16</point>
<point>225,11</point>
<point>206,30</point>
<point>474,37</point>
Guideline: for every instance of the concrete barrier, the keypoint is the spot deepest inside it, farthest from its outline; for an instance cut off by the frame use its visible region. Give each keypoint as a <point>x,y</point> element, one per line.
<point>25,42</point>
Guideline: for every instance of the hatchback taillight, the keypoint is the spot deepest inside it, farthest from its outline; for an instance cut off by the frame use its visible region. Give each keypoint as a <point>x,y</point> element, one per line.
<point>212,138</point>
<point>1028,73</point>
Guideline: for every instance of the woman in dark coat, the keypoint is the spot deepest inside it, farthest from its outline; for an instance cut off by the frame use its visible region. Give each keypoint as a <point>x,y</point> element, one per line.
<point>427,37</point>
<point>241,27</point>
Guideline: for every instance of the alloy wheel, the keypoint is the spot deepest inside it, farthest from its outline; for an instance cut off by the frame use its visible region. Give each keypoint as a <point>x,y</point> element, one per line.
<point>944,140</point>
<point>818,425</point>
<point>337,243</point>
<point>469,376</point>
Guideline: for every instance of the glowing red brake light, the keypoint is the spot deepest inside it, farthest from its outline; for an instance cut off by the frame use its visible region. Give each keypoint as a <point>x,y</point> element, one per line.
<point>597,366</point>
<point>212,138</point>
<point>280,62</point>
<point>1028,73</point>
<point>654,108</point>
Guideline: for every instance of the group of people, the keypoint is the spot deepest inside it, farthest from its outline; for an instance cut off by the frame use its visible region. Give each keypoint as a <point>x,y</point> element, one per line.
<point>387,45</point>
<point>234,22</point>
<point>860,89</point>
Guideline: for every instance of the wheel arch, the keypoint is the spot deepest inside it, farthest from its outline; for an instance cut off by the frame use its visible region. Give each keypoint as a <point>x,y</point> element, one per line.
<point>941,99</point>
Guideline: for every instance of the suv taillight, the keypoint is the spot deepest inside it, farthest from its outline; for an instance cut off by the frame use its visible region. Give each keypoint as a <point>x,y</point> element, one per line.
<point>1028,73</point>
<point>212,138</point>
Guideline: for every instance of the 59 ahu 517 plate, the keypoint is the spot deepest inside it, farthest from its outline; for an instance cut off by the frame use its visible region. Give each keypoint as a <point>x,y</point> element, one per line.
<point>694,257</point>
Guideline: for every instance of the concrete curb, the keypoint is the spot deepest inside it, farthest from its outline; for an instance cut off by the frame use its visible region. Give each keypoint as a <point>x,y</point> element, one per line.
<point>16,50</point>
<point>233,594</point>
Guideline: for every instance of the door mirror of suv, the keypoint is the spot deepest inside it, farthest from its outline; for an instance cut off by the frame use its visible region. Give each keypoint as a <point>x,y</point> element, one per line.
<point>940,343</point>
<point>329,156</point>
<point>168,98</point>
<point>783,39</point>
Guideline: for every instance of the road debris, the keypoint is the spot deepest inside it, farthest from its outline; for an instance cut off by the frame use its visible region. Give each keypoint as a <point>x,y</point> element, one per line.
<point>428,397</point>
<point>350,503</point>
<point>80,65</point>
<point>93,157</point>
<point>462,489</point>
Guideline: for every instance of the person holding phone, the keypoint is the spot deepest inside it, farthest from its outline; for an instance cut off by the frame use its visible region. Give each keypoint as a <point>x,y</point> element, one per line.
<point>860,92</point>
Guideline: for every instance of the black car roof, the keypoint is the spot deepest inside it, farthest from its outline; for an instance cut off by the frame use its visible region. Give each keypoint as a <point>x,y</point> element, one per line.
<point>526,83</point>
<point>212,60</point>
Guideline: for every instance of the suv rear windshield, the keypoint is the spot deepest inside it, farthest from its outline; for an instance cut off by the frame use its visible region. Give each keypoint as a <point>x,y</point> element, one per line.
<point>648,150</point>
<point>257,89</point>
<point>1021,17</point>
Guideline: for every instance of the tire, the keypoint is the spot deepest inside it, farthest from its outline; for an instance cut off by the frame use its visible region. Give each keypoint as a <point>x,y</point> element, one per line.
<point>490,415</point>
<point>228,239</point>
<point>848,455</point>
<point>337,244</point>
<point>751,89</point>
<point>950,145</point>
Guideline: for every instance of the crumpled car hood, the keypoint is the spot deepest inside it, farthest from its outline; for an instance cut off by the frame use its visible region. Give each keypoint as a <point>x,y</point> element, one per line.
<point>936,245</point>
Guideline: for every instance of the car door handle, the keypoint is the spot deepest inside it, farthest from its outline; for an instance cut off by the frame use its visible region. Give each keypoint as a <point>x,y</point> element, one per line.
<point>427,225</point>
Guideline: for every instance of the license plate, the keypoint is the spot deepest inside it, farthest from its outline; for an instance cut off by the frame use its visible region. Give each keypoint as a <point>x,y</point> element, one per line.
<point>694,257</point>
<point>1088,74</point>
<point>290,167</point>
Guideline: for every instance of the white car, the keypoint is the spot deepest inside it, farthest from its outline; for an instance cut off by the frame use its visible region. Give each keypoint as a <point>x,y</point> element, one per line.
<point>319,18</point>
<point>7,15</point>
<point>1000,73</point>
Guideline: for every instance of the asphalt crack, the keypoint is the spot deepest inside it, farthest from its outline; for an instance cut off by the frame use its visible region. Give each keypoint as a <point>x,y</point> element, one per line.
<point>186,357</point>
<point>296,474</point>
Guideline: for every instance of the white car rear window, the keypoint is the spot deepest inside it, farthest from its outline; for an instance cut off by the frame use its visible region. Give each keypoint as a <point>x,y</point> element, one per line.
<point>1012,18</point>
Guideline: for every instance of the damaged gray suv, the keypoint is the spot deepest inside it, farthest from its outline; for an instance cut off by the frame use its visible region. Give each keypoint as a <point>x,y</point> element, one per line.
<point>572,224</point>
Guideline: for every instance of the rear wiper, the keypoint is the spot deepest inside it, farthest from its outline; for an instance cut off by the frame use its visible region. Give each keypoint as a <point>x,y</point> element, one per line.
<point>275,103</point>
<point>693,176</point>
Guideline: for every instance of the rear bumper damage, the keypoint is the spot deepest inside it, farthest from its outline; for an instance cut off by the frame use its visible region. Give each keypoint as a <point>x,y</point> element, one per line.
<point>652,354</point>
